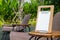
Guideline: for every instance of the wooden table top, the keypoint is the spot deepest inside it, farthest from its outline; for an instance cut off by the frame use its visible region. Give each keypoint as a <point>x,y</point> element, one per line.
<point>54,33</point>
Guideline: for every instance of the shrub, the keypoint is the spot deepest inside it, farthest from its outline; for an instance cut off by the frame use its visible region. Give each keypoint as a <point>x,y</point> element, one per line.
<point>32,22</point>
<point>1,23</point>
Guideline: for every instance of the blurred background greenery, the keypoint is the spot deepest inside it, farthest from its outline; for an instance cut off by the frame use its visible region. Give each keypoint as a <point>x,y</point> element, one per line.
<point>7,12</point>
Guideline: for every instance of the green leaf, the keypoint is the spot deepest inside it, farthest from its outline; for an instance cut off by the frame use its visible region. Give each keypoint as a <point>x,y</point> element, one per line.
<point>0,2</point>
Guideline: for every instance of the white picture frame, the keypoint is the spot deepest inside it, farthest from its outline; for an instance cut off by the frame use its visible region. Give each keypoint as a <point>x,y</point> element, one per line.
<point>44,19</point>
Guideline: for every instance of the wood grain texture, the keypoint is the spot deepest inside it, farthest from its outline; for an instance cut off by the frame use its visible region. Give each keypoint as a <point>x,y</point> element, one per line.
<point>53,34</point>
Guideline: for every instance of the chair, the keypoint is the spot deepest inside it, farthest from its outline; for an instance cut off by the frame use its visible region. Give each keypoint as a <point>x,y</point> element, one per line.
<point>24,23</point>
<point>15,27</point>
<point>56,23</point>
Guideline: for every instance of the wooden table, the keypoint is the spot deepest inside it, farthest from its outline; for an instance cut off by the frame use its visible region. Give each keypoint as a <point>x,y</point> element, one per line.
<point>39,35</point>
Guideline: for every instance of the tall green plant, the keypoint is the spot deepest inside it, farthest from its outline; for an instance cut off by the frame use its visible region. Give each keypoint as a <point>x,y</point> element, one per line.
<point>56,3</point>
<point>6,9</point>
<point>31,8</point>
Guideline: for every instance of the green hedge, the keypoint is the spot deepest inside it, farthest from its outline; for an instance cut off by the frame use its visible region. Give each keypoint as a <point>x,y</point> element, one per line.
<point>32,22</point>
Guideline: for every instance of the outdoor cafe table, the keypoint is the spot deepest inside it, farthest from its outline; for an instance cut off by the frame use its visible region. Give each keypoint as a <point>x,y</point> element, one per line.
<point>47,35</point>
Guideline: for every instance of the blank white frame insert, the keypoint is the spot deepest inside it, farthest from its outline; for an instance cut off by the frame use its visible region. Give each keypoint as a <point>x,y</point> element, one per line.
<point>44,19</point>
